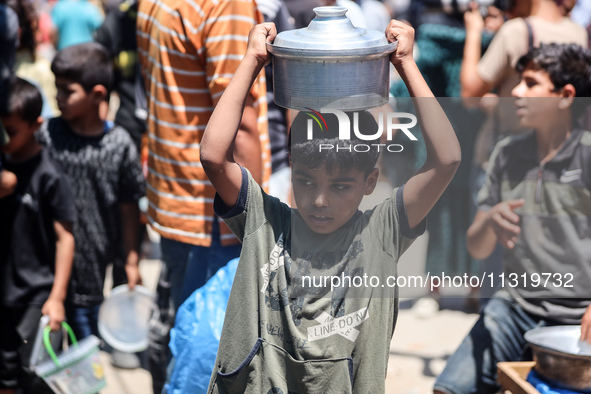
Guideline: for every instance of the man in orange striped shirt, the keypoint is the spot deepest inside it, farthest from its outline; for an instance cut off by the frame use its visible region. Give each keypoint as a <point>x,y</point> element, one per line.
<point>189,51</point>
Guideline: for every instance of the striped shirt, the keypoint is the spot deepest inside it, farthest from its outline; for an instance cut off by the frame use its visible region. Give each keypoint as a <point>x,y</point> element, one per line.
<point>189,51</point>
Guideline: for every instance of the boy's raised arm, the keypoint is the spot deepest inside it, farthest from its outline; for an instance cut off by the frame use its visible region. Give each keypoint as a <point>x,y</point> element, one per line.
<point>217,145</point>
<point>443,150</point>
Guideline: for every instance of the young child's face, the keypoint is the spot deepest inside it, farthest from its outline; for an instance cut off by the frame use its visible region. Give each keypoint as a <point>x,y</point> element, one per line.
<point>536,98</point>
<point>73,101</point>
<point>326,201</point>
<point>20,132</point>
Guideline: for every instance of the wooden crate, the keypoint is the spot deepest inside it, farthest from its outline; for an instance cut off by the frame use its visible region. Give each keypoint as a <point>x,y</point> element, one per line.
<point>512,375</point>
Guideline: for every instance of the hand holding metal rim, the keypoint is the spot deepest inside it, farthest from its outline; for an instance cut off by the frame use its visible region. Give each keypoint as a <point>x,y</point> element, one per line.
<point>331,64</point>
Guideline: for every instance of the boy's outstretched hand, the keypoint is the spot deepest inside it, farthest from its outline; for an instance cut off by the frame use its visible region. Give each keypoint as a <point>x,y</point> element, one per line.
<point>505,222</point>
<point>258,38</point>
<point>405,35</point>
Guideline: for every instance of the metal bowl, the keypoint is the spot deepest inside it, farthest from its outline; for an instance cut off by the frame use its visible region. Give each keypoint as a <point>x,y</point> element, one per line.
<point>331,64</point>
<point>561,356</point>
<point>123,318</point>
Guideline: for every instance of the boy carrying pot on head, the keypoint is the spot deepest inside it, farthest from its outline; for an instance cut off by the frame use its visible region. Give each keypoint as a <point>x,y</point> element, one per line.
<point>281,334</point>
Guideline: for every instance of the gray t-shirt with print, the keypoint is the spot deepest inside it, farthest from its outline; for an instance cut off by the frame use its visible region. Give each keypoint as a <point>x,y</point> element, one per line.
<point>281,337</point>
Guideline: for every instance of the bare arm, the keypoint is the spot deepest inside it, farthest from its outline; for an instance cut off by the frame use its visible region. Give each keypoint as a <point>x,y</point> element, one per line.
<point>220,137</point>
<point>247,145</point>
<point>443,150</point>
<point>499,224</point>
<point>481,238</point>
<point>130,219</point>
<point>586,325</point>
<point>64,256</point>
<point>472,84</point>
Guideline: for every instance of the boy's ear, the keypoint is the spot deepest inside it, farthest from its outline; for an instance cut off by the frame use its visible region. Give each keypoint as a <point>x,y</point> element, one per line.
<point>568,94</point>
<point>371,181</point>
<point>37,123</point>
<point>99,92</point>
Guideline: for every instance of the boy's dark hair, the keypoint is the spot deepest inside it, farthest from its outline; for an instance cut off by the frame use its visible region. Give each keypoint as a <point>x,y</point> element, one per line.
<point>22,99</point>
<point>325,129</point>
<point>565,64</point>
<point>88,64</point>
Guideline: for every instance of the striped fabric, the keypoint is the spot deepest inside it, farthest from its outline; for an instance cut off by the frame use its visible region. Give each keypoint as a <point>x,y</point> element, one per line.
<point>189,51</point>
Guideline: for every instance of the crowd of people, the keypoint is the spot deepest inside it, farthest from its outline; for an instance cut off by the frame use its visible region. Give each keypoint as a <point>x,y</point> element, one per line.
<point>171,102</point>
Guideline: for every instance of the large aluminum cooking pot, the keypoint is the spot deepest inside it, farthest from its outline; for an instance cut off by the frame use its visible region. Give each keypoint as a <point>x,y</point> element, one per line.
<point>331,64</point>
<point>560,355</point>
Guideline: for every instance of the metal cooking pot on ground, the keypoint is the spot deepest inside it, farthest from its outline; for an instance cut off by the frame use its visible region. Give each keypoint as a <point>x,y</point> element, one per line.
<point>331,64</point>
<point>560,356</point>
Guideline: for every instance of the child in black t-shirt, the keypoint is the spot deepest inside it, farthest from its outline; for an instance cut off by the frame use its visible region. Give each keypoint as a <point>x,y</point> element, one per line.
<point>106,176</point>
<point>36,241</point>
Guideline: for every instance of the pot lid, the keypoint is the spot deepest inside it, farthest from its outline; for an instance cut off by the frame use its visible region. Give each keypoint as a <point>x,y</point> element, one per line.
<point>563,339</point>
<point>331,31</point>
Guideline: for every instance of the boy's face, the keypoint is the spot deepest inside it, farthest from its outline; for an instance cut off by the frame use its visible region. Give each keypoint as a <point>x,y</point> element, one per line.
<point>537,100</point>
<point>20,132</point>
<point>73,101</point>
<point>326,201</point>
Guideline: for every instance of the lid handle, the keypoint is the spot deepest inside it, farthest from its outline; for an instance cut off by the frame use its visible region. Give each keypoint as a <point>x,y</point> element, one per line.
<point>330,12</point>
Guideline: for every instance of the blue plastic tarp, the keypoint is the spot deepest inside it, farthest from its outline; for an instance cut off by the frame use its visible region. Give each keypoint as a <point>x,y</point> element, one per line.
<point>195,338</point>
